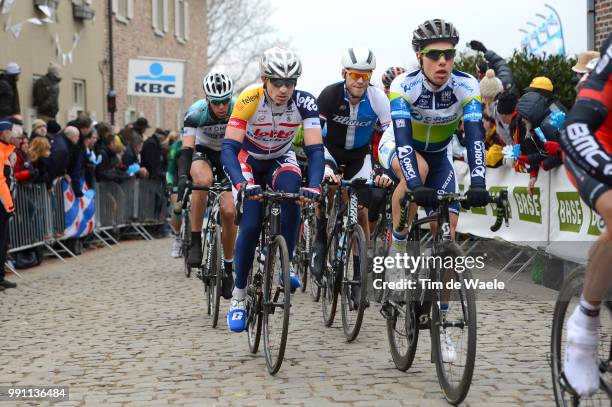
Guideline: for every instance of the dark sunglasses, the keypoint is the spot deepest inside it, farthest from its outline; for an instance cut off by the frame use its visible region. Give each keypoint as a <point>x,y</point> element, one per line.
<point>220,102</point>
<point>435,54</point>
<point>277,82</point>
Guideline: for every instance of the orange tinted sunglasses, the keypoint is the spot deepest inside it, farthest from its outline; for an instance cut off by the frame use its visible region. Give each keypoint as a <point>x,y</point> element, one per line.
<point>360,75</point>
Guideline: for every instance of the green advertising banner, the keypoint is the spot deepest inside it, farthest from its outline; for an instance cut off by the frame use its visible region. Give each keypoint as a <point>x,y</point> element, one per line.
<point>569,211</point>
<point>529,206</point>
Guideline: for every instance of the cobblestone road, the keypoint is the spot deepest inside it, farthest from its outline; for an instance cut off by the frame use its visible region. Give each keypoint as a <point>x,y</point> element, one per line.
<point>124,327</point>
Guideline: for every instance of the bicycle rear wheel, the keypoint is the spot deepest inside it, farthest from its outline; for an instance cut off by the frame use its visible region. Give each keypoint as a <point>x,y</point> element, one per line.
<point>457,325</point>
<point>216,272</point>
<point>380,248</point>
<point>253,310</point>
<point>403,331</point>
<point>354,287</point>
<point>332,271</point>
<point>568,299</point>
<point>276,303</point>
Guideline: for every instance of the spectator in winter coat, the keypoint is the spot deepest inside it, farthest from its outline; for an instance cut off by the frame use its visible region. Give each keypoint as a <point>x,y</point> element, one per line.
<point>490,87</point>
<point>497,63</point>
<point>151,156</point>
<point>24,170</point>
<point>132,152</point>
<point>40,150</point>
<point>109,167</point>
<point>62,145</point>
<point>46,93</point>
<point>6,200</point>
<point>9,94</point>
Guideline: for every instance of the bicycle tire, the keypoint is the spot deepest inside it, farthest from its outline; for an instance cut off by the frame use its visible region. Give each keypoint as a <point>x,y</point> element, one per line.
<point>308,233</point>
<point>186,241</point>
<point>271,303</point>
<point>253,308</point>
<point>408,319</point>
<point>455,394</point>
<point>329,290</point>
<point>352,316</point>
<point>216,274</point>
<point>380,247</point>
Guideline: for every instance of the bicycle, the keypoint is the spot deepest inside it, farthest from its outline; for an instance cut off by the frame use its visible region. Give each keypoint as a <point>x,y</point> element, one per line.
<point>346,253</point>
<point>381,238</point>
<point>268,293</point>
<point>570,294</point>
<point>421,304</point>
<point>305,240</point>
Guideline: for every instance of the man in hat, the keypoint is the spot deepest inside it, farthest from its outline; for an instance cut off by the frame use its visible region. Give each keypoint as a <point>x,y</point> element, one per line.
<point>9,94</point>
<point>46,93</point>
<point>6,200</point>
<point>583,60</point>
<point>141,125</point>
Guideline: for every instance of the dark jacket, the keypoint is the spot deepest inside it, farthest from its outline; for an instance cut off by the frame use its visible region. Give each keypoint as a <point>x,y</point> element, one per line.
<point>46,94</point>
<point>108,169</point>
<point>57,163</point>
<point>129,156</point>
<point>502,71</point>
<point>76,168</point>
<point>151,157</point>
<point>9,96</point>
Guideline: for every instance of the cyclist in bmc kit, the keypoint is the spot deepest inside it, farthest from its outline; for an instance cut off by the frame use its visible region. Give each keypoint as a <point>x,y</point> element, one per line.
<point>257,151</point>
<point>349,112</point>
<point>587,143</point>
<point>426,107</point>
<point>203,131</point>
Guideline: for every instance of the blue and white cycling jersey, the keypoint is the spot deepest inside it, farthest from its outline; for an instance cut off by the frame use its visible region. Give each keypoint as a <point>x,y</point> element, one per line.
<point>201,122</point>
<point>350,127</point>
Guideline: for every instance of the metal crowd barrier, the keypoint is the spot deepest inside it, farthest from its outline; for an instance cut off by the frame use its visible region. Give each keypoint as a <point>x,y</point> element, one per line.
<point>40,214</point>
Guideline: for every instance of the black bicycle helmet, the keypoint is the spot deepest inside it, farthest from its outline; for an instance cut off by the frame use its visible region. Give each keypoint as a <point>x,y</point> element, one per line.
<point>432,31</point>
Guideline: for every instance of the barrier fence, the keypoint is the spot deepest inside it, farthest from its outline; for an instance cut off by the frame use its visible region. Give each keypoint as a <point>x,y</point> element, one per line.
<point>47,217</point>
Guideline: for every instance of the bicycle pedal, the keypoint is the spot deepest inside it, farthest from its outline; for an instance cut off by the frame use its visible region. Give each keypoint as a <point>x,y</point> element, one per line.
<point>387,311</point>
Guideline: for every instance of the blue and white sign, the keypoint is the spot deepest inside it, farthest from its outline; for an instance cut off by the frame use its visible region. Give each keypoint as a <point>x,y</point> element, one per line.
<point>545,37</point>
<point>150,77</point>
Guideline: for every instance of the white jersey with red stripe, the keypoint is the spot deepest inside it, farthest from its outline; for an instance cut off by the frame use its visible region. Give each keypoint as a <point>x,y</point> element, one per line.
<point>270,128</point>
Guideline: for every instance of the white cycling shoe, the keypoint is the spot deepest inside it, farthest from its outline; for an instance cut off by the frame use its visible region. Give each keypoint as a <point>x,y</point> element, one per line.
<point>581,359</point>
<point>447,348</point>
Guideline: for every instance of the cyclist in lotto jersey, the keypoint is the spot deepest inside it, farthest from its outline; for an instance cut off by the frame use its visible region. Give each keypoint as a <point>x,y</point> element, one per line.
<point>350,111</point>
<point>203,131</point>
<point>587,143</point>
<point>426,107</point>
<point>257,151</point>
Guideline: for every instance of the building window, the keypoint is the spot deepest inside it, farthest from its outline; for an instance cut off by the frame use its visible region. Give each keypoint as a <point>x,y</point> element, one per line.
<point>78,96</point>
<point>123,10</point>
<point>131,114</point>
<point>160,16</point>
<point>181,20</point>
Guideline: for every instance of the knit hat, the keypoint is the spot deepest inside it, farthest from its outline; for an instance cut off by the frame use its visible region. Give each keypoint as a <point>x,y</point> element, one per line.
<point>490,85</point>
<point>506,102</point>
<point>540,83</point>
<point>53,127</point>
<point>583,59</point>
<point>38,123</point>
<point>5,124</point>
<point>54,69</point>
<point>12,68</point>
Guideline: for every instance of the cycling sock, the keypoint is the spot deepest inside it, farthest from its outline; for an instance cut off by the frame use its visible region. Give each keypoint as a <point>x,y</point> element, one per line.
<point>239,293</point>
<point>586,315</point>
<point>443,309</point>
<point>398,236</point>
<point>229,260</point>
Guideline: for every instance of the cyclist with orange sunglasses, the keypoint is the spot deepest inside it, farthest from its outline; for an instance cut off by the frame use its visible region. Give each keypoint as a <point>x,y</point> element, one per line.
<point>349,111</point>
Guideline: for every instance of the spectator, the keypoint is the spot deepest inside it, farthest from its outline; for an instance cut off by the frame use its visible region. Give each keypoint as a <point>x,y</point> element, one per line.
<point>132,152</point>
<point>9,94</point>
<point>497,63</point>
<point>39,151</point>
<point>505,115</point>
<point>543,116</point>
<point>151,156</point>
<point>84,124</point>
<point>53,128</point>
<point>46,93</point>
<point>109,167</point>
<point>586,63</point>
<point>6,200</point>
<point>39,128</point>
<point>140,126</point>
<point>24,170</point>
<point>490,87</point>
<point>62,145</point>
<point>78,167</point>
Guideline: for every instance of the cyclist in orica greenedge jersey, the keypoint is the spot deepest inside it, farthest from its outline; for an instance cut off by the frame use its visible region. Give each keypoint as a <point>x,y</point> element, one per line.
<point>426,107</point>
<point>203,133</point>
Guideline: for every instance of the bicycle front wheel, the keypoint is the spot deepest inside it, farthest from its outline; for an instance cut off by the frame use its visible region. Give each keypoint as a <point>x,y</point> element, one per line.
<point>276,303</point>
<point>453,331</point>
<point>186,241</point>
<point>329,291</point>
<point>354,284</point>
<point>403,331</point>
<point>253,310</point>
<point>216,273</point>
<point>568,299</point>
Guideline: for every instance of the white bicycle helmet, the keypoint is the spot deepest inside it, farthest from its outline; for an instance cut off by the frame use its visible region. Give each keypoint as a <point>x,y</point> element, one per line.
<point>280,63</point>
<point>360,58</point>
<point>218,86</point>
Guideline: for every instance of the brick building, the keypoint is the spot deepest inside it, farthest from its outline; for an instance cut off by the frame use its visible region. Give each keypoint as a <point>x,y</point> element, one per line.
<point>159,29</point>
<point>603,20</point>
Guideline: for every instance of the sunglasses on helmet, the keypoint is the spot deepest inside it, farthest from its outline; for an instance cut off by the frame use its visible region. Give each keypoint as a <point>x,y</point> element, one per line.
<point>220,101</point>
<point>435,54</point>
<point>359,75</point>
<point>279,82</point>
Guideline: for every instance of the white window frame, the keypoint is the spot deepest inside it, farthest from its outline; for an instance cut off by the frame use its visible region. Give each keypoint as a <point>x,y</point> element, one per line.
<point>159,23</point>
<point>181,20</point>
<point>131,114</point>
<point>123,16</point>
<point>80,106</point>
